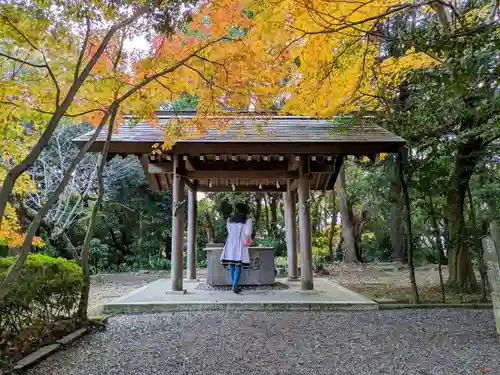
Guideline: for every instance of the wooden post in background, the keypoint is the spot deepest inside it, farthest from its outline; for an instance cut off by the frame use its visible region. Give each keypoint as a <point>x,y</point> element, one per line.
<point>178,203</point>
<point>305,236</point>
<point>495,236</point>
<point>491,248</point>
<point>192,229</point>
<point>291,233</point>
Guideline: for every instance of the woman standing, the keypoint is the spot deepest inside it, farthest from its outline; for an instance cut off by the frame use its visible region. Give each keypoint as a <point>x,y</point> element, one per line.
<point>239,238</point>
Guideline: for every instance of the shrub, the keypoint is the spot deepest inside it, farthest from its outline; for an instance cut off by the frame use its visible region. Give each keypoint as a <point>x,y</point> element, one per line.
<point>281,261</point>
<point>40,305</point>
<point>99,256</point>
<point>278,243</point>
<point>319,255</point>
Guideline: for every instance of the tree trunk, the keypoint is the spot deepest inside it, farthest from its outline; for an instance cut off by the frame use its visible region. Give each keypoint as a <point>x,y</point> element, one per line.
<point>141,229</point>
<point>348,231</point>
<point>13,272</point>
<point>351,226</point>
<point>333,223</point>
<point>461,274</point>
<point>266,212</point>
<point>396,216</point>
<point>359,224</point>
<point>316,215</point>
<point>209,227</point>
<point>273,206</point>
<point>479,248</point>
<point>446,235</point>
<point>168,249</point>
<point>84,256</point>
<point>409,238</point>
<point>68,245</point>
<point>437,233</point>
<point>117,244</point>
<point>338,247</point>
<point>439,246</point>
<point>258,209</point>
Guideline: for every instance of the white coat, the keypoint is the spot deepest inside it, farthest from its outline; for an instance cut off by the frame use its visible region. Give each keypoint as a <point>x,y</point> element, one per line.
<point>235,251</point>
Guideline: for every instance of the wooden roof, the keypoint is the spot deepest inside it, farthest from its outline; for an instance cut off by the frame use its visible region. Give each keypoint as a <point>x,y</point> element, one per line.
<point>254,153</point>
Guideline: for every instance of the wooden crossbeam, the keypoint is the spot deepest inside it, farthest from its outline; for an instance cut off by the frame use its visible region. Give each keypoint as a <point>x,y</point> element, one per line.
<point>339,160</point>
<point>318,180</point>
<point>189,163</point>
<point>247,188</point>
<point>239,174</point>
<point>164,167</point>
<point>240,167</point>
<point>253,148</point>
<point>189,183</point>
<point>317,167</point>
<point>152,181</point>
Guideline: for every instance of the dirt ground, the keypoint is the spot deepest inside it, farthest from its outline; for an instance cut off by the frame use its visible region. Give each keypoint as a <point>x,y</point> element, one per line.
<point>382,282</point>
<point>390,283</point>
<point>384,274</point>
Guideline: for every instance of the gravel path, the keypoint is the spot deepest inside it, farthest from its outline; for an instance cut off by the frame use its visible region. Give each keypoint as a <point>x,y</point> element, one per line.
<point>105,287</point>
<point>423,342</point>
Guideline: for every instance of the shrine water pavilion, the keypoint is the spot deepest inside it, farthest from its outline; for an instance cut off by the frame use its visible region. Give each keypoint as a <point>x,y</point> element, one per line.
<point>268,153</point>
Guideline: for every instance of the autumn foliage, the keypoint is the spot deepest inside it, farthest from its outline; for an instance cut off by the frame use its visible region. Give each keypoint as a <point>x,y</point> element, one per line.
<point>64,62</point>
<point>11,234</point>
<point>318,58</point>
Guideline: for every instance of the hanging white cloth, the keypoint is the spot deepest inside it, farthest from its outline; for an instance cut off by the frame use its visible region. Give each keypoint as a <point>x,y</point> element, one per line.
<point>235,251</point>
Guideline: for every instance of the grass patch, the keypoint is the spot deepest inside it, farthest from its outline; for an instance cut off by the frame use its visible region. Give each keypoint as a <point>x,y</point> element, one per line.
<point>427,293</point>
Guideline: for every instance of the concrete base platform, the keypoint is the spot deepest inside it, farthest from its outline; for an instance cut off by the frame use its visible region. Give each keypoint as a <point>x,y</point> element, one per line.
<point>154,297</point>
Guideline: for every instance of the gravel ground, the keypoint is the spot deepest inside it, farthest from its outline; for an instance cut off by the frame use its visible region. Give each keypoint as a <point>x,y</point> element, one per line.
<point>106,286</point>
<point>409,342</point>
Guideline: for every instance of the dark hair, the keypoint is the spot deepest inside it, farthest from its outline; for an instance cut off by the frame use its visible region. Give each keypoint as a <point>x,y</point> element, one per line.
<point>241,208</point>
<point>240,213</point>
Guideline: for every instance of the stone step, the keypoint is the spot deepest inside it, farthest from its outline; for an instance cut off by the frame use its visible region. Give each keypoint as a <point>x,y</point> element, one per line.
<point>36,357</point>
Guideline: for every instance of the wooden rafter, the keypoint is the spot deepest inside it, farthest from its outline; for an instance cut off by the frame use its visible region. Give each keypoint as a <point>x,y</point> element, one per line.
<point>152,181</point>
<point>242,188</point>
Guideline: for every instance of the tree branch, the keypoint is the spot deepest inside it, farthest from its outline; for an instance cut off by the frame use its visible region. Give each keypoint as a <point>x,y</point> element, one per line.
<point>84,47</point>
<point>24,62</point>
<point>17,170</point>
<point>102,47</point>
<point>170,69</point>
<point>204,78</point>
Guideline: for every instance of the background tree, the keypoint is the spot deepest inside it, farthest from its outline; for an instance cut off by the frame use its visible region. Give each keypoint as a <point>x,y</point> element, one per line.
<point>168,56</point>
<point>432,67</point>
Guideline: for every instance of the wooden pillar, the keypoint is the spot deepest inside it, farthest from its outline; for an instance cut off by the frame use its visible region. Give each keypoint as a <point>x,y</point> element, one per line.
<point>191,240</point>
<point>291,232</point>
<point>492,261</point>
<point>177,225</point>
<point>305,238</point>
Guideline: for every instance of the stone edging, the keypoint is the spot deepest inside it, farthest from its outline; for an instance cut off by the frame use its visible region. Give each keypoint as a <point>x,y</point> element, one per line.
<point>397,306</point>
<point>47,350</point>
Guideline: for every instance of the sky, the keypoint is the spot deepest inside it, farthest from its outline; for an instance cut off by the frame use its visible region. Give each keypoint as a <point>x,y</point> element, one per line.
<point>137,43</point>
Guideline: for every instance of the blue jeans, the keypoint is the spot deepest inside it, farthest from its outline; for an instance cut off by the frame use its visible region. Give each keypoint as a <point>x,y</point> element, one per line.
<point>234,273</point>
